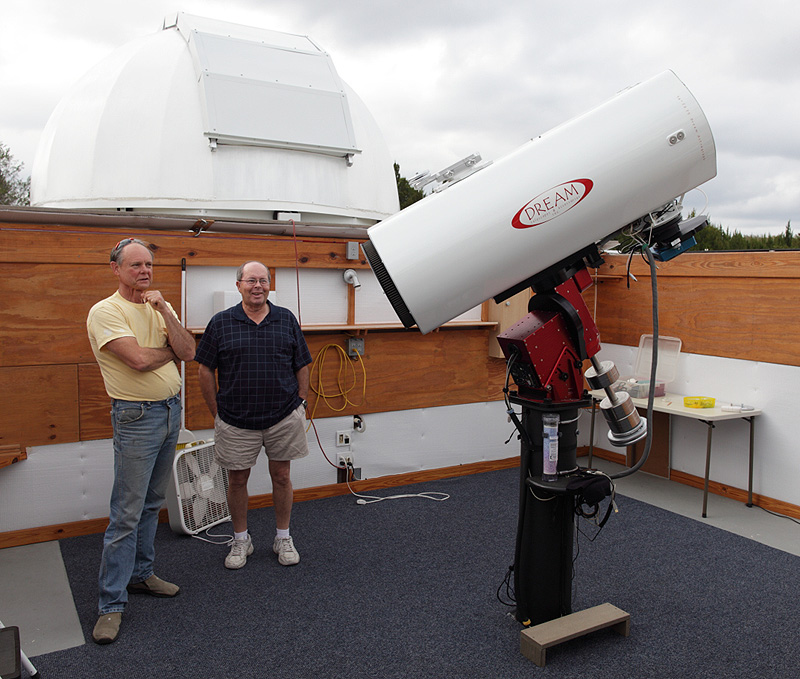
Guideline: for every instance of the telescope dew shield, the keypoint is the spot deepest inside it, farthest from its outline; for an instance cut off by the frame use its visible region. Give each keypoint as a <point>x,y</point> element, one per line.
<point>569,188</point>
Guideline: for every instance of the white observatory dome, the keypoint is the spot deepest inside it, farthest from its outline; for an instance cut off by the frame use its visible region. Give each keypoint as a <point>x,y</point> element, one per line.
<point>215,119</point>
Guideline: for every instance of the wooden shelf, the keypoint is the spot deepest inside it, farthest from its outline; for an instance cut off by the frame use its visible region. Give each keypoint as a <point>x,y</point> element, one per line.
<point>363,328</point>
<point>11,454</point>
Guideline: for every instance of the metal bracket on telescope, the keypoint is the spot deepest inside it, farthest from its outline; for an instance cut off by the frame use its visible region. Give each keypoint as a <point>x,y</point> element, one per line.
<point>450,175</point>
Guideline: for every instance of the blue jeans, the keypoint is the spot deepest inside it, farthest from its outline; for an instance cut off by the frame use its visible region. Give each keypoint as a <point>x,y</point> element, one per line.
<point>145,436</point>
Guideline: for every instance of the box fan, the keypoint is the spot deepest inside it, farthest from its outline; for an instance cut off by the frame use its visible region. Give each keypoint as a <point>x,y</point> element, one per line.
<point>198,490</point>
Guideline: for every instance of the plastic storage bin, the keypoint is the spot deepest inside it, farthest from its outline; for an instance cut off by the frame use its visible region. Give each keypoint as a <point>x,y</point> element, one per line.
<point>669,350</point>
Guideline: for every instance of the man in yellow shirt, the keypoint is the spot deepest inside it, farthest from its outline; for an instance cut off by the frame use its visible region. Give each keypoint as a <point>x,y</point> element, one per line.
<point>136,338</point>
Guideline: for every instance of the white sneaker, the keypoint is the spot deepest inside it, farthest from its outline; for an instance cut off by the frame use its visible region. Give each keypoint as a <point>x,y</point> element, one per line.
<point>287,554</point>
<point>240,550</point>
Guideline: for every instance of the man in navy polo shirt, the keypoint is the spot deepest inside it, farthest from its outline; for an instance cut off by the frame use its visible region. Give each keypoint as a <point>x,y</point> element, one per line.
<point>254,375</point>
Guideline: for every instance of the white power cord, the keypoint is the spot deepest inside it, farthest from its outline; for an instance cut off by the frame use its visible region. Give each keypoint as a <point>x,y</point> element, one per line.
<point>372,499</point>
<point>226,539</point>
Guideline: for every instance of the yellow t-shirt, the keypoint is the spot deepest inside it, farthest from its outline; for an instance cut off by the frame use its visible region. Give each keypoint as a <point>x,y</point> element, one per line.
<point>116,317</point>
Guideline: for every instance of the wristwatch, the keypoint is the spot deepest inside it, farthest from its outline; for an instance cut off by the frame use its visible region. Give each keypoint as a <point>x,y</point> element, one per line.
<point>304,403</point>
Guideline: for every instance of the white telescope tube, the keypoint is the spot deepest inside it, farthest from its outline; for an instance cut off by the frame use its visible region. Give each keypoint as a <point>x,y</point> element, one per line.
<point>572,187</point>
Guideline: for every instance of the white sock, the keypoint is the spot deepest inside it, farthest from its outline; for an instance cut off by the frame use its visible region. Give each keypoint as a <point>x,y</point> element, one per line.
<point>282,533</point>
<point>240,536</point>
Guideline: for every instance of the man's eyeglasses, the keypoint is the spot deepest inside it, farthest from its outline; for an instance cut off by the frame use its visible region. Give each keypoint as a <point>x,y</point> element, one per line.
<point>250,282</point>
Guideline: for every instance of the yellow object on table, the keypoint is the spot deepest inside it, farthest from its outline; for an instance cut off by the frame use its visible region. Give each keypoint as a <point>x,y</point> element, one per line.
<point>698,401</point>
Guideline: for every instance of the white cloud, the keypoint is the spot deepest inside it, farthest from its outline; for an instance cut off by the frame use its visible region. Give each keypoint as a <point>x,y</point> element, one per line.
<point>448,78</point>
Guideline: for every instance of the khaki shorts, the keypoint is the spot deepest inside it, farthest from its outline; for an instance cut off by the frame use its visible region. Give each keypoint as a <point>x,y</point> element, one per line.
<point>239,448</point>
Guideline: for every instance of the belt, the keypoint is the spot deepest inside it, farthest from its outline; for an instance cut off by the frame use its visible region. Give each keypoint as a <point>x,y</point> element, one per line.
<point>166,401</point>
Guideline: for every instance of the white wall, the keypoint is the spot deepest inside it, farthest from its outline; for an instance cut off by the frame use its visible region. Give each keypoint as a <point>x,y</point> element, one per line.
<point>767,386</point>
<point>323,295</point>
<point>72,481</point>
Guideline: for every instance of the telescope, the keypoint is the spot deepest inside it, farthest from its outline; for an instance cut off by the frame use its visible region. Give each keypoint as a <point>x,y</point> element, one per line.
<point>536,219</point>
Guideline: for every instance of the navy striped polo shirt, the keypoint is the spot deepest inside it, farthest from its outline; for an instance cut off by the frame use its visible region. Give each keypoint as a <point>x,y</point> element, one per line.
<point>255,364</point>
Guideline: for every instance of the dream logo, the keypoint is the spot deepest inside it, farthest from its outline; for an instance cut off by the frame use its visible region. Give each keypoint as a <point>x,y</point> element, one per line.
<point>552,203</point>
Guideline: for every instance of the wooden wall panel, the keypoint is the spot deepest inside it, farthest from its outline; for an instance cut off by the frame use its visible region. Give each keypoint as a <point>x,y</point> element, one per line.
<point>404,370</point>
<point>497,379</point>
<point>51,275</point>
<point>761,264</point>
<point>736,305</point>
<point>410,370</point>
<point>40,405</point>
<point>53,243</point>
<point>741,305</point>
<point>506,314</point>
<point>197,415</point>
<point>95,405</point>
<point>45,309</point>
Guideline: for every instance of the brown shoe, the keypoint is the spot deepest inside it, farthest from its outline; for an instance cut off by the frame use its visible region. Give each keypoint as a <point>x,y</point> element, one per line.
<point>154,586</point>
<point>107,628</point>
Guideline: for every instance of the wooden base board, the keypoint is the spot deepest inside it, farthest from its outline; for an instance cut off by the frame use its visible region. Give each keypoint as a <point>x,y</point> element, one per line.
<point>715,487</point>
<point>610,455</point>
<point>535,640</point>
<point>11,455</point>
<point>29,536</point>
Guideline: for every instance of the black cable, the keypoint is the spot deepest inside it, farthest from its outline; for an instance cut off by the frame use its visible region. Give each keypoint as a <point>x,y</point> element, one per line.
<point>509,589</point>
<point>509,409</point>
<point>628,269</point>
<point>780,516</point>
<point>593,510</point>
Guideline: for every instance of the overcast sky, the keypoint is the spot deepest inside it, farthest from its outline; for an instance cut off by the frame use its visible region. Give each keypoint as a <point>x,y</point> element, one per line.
<point>447,78</point>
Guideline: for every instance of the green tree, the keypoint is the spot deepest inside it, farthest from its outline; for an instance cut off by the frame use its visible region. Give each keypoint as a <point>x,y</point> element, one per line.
<point>714,239</point>
<point>405,191</point>
<point>738,242</point>
<point>711,238</point>
<point>13,189</point>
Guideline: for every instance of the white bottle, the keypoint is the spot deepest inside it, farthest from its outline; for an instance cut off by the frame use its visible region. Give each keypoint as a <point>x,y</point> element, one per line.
<point>550,446</point>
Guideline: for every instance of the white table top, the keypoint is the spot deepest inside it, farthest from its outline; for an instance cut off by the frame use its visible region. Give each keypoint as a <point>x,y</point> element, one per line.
<point>673,405</point>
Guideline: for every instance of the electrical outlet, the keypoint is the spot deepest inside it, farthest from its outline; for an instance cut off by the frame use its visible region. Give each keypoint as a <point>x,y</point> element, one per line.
<point>344,459</point>
<point>352,251</point>
<point>355,347</point>
<point>343,439</point>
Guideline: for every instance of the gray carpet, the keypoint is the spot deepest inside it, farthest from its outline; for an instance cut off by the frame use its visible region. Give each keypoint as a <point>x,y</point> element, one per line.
<point>408,588</point>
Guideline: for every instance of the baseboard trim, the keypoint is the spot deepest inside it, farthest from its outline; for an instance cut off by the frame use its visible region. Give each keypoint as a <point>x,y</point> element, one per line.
<point>715,487</point>
<point>618,458</point>
<point>29,536</point>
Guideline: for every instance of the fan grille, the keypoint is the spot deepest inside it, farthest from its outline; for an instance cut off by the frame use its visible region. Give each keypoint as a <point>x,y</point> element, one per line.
<point>202,488</point>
